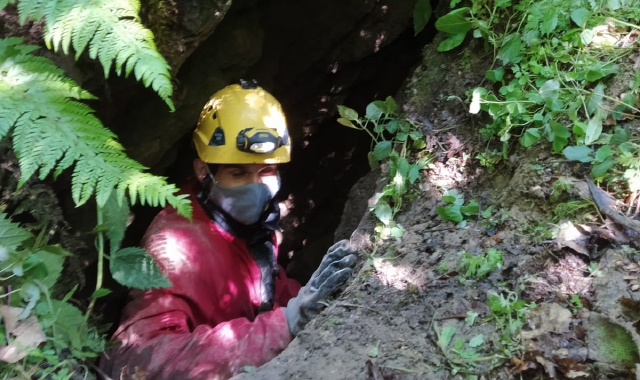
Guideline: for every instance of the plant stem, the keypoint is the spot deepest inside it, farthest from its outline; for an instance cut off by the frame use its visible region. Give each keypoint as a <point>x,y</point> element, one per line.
<point>100,246</point>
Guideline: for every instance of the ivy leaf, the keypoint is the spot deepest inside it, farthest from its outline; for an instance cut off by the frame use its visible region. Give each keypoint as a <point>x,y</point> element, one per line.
<point>587,36</point>
<point>134,267</point>
<point>578,153</point>
<point>115,216</point>
<point>397,231</point>
<point>594,129</point>
<point>54,264</point>
<point>390,104</point>
<point>620,136</point>
<point>347,113</point>
<point>495,75</point>
<point>450,213</point>
<point>373,111</point>
<point>549,22</point>
<point>382,150</point>
<point>346,123</point>
<point>599,170</point>
<point>511,47</point>
<point>603,153</point>
<point>383,212</point>
<point>476,341</point>
<point>600,70</point>
<point>451,42</point>
<point>414,173</point>
<point>580,16</point>
<point>454,23</point>
<point>11,234</point>
<point>392,126</point>
<point>614,5</point>
<point>68,321</point>
<point>561,135</point>
<point>421,15</point>
<point>530,137</point>
<point>550,90</point>
<point>470,209</point>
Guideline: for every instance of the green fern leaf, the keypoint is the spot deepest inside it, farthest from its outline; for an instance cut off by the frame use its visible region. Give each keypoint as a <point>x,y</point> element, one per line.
<point>113,32</point>
<point>52,131</point>
<point>4,3</point>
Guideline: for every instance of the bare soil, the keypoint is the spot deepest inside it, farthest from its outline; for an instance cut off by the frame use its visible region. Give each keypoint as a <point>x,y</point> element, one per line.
<point>388,322</point>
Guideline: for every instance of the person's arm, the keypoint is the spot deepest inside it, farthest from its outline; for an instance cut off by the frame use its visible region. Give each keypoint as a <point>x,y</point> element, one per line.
<point>162,345</point>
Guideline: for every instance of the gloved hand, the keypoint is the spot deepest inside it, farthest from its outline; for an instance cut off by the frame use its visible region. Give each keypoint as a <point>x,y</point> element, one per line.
<point>334,270</point>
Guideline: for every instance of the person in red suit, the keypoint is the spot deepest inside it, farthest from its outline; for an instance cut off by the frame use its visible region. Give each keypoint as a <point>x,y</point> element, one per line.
<point>230,304</point>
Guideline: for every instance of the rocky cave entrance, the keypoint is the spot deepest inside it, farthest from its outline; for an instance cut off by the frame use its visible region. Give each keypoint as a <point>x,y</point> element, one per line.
<point>349,53</point>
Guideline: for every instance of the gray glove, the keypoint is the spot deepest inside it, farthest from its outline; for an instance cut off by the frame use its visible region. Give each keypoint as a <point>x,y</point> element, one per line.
<point>334,270</point>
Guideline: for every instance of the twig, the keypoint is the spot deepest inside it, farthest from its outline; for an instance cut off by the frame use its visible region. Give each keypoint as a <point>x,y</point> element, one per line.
<point>605,204</point>
<point>100,372</point>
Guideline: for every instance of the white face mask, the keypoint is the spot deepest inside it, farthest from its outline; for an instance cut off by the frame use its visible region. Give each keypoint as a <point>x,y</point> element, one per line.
<point>244,203</point>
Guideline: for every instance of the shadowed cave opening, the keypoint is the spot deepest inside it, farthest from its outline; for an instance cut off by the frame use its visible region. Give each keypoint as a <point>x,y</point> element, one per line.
<point>327,158</point>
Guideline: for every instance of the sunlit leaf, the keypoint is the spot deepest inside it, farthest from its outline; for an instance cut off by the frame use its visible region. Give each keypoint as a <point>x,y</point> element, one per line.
<point>383,212</point>
<point>476,341</point>
<point>578,153</point>
<point>580,16</point>
<point>454,22</point>
<point>550,90</point>
<point>373,111</point>
<point>346,122</point>
<point>594,129</point>
<point>451,42</point>
<point>347,113</point>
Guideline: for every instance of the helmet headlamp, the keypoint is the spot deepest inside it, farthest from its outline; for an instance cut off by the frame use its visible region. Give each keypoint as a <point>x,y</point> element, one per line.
<point>258,140</point>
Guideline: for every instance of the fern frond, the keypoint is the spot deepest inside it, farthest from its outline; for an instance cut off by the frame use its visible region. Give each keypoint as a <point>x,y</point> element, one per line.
<point>4,3</point>
<point>113,32</point>
<point>53,131</point>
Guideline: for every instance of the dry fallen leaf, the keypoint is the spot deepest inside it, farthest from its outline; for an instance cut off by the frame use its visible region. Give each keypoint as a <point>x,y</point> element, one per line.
<point>27,334</point>
<point>547,318</point>
<point>574,237</point>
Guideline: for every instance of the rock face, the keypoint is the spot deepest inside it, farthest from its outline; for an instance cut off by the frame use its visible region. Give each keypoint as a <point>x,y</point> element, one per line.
<point>311,56</point>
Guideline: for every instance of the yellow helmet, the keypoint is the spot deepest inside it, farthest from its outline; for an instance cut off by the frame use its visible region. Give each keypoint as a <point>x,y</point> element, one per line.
<point>242,124</point>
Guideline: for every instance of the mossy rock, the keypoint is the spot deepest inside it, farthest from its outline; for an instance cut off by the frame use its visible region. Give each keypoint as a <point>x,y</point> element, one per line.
<point>612,343</point>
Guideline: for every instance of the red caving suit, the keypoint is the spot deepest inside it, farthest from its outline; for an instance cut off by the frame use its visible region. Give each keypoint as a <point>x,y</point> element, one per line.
<point>206,326</point>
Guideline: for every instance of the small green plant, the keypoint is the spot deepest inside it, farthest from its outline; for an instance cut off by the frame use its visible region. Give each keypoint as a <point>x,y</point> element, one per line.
<point>53,337</point>
<point>396,141</point>
<point>479,266</point>
<point>576,303</point>
<point>538,231</point>
<point>508,313</point>
<point>549,79</point>
<point>490,220</point>
<point>572,210</point>
<point>455,210</point>
<point>463,355</point>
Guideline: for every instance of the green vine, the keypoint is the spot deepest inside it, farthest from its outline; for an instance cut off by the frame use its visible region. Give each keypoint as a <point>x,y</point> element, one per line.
<point>396,141</point>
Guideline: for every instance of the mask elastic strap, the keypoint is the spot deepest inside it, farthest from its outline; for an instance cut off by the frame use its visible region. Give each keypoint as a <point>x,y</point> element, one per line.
<point>211,177</point>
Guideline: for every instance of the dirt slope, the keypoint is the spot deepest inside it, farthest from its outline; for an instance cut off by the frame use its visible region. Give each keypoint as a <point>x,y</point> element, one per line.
<point>412,312</point>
